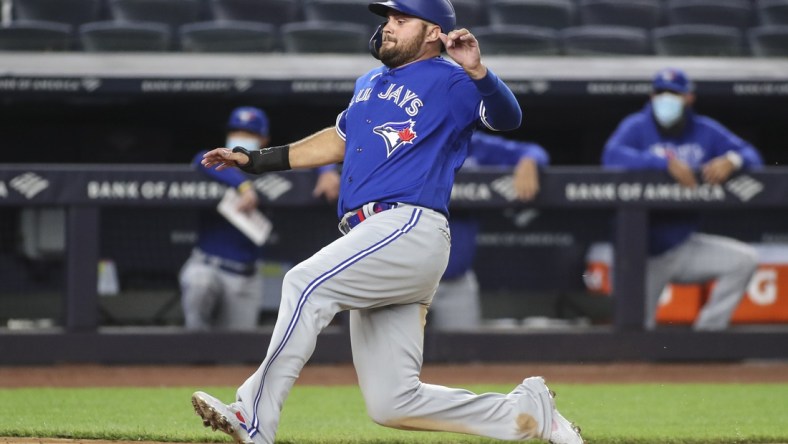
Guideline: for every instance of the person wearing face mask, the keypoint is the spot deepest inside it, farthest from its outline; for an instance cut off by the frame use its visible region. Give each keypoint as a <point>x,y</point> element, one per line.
<point>668,135</point>
<point>220,284</point>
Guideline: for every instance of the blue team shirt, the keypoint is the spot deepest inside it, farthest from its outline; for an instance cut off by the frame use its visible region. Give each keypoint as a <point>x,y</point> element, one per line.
<point>638,144</point>
<point>407,129</point>
<point>216,235</point>
<point>484,150</point>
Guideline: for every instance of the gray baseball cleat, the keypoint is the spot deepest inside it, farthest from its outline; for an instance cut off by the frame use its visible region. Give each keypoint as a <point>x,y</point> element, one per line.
<point>219,416</point>
<point>561,431</point>
<point>564,432</point>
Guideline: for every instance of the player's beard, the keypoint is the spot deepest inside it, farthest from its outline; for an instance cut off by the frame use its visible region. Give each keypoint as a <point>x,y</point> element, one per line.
<point>403,51</point>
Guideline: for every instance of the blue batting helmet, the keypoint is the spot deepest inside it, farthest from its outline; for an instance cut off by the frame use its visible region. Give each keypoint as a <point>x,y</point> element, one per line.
<point>440,12</point>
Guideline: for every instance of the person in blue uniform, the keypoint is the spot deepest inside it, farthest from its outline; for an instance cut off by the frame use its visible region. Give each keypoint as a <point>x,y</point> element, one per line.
<point>221,287</point>
<point>401,139</point>
<point>457,303</point>
<point>668,135</point>
<point>220,284</point>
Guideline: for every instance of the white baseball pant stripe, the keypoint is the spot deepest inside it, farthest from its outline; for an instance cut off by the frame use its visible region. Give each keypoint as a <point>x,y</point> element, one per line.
<point>386,271</point>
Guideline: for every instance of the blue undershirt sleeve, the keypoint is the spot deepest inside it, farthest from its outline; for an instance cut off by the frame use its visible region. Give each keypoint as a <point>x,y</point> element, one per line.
<point>500,109</point>
<point>230,176</point>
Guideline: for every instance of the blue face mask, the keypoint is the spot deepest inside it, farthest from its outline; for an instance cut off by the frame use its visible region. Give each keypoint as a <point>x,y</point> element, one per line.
<point>668,108</point>
<point>249,143</point>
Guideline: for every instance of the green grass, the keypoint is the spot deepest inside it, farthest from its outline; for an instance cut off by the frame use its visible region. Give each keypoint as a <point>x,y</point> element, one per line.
<point>625,413</point>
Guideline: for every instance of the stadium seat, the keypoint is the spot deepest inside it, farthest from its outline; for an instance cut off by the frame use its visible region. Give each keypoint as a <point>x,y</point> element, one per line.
<point>277,12</point>
<point>638,13</point>
<point>470,13</point>
<point>736,13</point>
<point>772,12</point>
<point>769,41</point>
<point>556,14</point>
<point>351,11</point>
<point>227,36</point>
<point>124,36</point>
<point>170,12</point>
<point>325,37</point>
<point>593,40</point>
<point>517,40</point>
<point>698,40</point>
<point>32,35</point>
<point>72,12</point>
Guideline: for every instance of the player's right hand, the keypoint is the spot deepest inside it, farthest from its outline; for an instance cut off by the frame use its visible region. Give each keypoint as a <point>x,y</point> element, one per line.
<point>682,172</point>
<point>248,200</point>
<point>222,158</point>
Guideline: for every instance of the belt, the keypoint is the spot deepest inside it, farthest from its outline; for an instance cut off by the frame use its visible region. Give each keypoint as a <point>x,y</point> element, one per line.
<point>355,217</point>
<point>227,265</point>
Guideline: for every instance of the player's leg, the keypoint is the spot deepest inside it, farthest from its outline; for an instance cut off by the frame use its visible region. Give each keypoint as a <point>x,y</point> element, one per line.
<point>200,292</point>
<point>382,261</point>
<point>731,262</point>
<point>241,301</point>
<point>387,353</point>
<point>456,305</point>
<point>660,270</point>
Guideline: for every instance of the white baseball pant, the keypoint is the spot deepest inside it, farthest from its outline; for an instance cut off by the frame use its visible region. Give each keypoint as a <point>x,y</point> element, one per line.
<point>702,258</point>
<point>386,271</point>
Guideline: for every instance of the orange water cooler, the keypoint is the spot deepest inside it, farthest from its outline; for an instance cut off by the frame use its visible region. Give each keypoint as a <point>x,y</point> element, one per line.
<point>765,300</point>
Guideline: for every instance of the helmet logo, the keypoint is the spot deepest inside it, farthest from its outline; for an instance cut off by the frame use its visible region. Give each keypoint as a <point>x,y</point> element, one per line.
<point>245,116</point>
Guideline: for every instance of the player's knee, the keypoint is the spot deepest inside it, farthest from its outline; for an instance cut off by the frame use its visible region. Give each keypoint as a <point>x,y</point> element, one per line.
<point>384,410</point>
<point>748,261</point>
<point>385,415</point>
<point>295,280</point>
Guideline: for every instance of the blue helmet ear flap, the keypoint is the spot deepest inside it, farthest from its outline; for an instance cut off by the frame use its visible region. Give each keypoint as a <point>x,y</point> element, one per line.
<point>376,41</point>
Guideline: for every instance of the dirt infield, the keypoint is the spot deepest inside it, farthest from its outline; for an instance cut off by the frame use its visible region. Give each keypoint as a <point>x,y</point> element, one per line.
<point>172,376</point>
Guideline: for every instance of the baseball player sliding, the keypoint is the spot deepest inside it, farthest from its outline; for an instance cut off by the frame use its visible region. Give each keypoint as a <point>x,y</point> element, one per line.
<point>403,135</point>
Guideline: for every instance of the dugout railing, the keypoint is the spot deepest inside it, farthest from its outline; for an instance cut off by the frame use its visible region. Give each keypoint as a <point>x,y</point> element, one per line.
<point>83,190</point>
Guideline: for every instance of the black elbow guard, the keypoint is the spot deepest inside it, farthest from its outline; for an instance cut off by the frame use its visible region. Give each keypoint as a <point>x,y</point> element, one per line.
<point>275,158</point>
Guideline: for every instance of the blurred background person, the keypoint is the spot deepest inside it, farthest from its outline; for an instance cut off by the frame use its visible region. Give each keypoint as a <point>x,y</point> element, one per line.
<point>221,286</point>
<point>668,135</point>
<point>457,303</point>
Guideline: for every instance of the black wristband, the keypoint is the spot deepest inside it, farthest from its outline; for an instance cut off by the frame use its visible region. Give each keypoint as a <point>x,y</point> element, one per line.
<point>275,158</point>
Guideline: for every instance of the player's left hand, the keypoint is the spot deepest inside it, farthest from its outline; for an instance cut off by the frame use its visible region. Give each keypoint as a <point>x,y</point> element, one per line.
<point>718,170</point>
<point>526,179</point>
<point>223,158</point>
<point>463,48</point>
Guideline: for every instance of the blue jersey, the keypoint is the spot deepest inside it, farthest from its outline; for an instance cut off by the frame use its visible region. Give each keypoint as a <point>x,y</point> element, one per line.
<point>407,129</point>
<point>216,235</point>
<point>638,144</point>
<point>485,150</point>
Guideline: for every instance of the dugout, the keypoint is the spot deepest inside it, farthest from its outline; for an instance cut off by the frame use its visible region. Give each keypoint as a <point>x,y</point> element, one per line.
<point>143,113</point>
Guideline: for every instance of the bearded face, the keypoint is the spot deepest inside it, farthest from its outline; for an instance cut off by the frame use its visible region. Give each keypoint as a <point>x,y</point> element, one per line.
<point>397,51</point>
